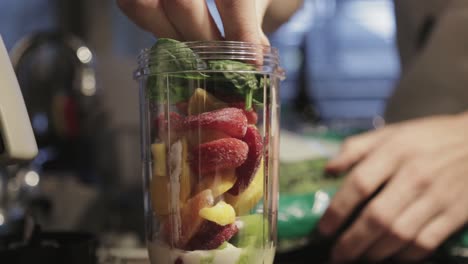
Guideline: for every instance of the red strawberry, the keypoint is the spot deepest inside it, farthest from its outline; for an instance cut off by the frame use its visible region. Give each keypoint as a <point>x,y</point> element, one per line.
<point>170,128</point>
<point>182,107</point>
<point>211,236</point>
<point>246,172</point>
<point>252,117</point>
<point>231,121</point>
<point>225,153</point>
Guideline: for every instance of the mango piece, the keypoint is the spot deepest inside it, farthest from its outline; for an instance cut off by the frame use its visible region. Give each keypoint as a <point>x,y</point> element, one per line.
<point>190,213</point>
<point>201,101</point>
<point>219,182</point>
<point>179,228</point>
<point>159,191</point>
<point>245,201</point>
<point>159,159</point>
<point>222,213</point>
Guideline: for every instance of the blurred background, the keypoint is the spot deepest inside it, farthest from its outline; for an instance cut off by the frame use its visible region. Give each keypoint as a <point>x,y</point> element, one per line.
<point>75,59</point>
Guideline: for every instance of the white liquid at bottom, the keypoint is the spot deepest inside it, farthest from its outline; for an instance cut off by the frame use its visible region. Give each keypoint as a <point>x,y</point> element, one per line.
<point>162,254</point>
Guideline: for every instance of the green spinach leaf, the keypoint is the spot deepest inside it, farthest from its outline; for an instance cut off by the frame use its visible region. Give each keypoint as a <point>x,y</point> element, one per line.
<point>242,78</point>
<point>172,66</point>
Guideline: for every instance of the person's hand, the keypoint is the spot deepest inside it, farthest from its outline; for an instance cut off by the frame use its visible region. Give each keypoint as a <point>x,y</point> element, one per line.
<point>188,20</point>
<point>422,167</point>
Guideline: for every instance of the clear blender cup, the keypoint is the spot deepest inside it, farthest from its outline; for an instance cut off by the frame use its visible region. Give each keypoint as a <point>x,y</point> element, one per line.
<point>210,133</point>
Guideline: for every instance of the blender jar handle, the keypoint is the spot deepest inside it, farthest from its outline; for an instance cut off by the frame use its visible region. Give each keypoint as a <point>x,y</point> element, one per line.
<point>17,140</point>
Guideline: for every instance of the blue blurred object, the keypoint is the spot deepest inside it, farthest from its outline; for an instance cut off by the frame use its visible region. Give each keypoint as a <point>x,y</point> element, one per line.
<point>352,62</point>
<point>19,18</point>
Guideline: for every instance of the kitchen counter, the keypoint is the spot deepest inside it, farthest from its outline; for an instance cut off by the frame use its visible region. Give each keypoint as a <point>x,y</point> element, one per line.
<point>309,254</point>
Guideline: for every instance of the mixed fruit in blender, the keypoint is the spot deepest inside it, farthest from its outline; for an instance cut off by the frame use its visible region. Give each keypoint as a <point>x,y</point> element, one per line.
<point>209,157</point>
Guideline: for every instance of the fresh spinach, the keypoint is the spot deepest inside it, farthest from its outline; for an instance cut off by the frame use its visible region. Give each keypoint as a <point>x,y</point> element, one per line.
<point>241,76</point>
<point>174,68</point>
<point>172,65</point>
<point>168,88</point>
<point>172,56</point>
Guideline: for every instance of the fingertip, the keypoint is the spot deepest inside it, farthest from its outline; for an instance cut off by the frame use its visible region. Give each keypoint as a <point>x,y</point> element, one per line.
<point>332,166</point>
<point>336,165</point>
<point>192,19</point>
<point>264,39</point>
<point>240,21</point>
<point>151,16</point>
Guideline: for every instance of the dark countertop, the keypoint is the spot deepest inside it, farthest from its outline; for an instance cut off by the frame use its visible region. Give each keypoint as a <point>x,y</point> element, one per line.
<point>317,255</point>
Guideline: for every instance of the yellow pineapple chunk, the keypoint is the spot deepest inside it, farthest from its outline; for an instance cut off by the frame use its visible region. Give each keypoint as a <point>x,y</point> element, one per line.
<point>185,177</point>
<point>159,159</point>
<point>160,187</point>
<point>218,182</point>
<point>159,191</point>
<point>222,213</point>
<point>201,101</point>
<point>245,201</point>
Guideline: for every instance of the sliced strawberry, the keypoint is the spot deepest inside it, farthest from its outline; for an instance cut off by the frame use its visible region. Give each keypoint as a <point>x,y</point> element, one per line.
<point>252,116</point>
<point>211,236</point>
<point>170,128</point>
<point>231,121</point>
<point>220,154</point>
<point>246,172</point>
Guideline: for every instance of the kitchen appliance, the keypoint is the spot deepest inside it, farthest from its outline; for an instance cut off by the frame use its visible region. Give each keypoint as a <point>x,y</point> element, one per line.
<point>17,141</point>
<point>17,145</point>
<point>57,77</point>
